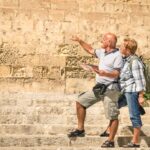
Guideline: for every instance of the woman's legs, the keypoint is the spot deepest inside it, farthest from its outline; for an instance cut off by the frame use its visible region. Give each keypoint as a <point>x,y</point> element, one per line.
<point>136,135</point>
<point>133,105</point>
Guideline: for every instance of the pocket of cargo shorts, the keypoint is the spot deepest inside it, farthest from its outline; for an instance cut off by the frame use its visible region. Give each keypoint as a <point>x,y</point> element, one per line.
<point>113,110</point>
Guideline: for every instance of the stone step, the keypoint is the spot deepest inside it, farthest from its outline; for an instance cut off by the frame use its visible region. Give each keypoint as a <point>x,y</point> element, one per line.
<point>43,129</point>
<point>67,119</point>
<point>37,99</point>
<point>68,148</point>
<point>60,115</point>
<point>49,119</point>
<point>63,140</point>
<point>55,109</point>
<point>44,103</point>
<point>47,103</point>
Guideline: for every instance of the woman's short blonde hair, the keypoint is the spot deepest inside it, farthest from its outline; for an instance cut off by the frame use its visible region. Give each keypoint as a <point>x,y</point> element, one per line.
<point>131,45</point>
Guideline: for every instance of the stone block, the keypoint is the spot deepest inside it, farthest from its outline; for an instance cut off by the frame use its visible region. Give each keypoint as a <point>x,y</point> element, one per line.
<point>68,49</point>
<point>50,102</point>
<point>74,85</point>
<point>46,3</point>
<point>8,102</point>
<point>137,18</point>
<point>9,3</point>
<point>146,20</point>
<point>64,5</point>
<point>87,7</point>
<point>56,15</point>
<point>119,7</point>
<point>90,120</point>
<point>33,141</point>
<point>120,18</point>
<point>40,71</point>
<point>133,8</point>
<point>54,110</point>
<point>47,85</point>
<point>78,73</point>
<point>71,16</point>
<point>75,61</point>
<point>32,85</point>
<point>5,24</point>
<point>22,71</point>
<point>90,30</point>
<point>38,26</point>
<point>28,60</point>
<point>23,129</point>
<point>54,72</point>
<point>38,16</point>
<point>89,141</point>
<point>52,119</point>
<point>69,27</point>
<point>11,84</point>
<point>7,14</point>
<point>5,71</point>
<point>140,2</point>
<point>34,4</point>
<point>48,43</point>
<point>8,54</point>
<point>95,16</point>
<point>22,22</point>
<point>52,61</point>
<point>19,109</point>
<point>11,119</point>
<point>52,26</point>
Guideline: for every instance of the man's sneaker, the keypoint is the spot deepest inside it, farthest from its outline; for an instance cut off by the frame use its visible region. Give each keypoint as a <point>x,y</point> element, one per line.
<point>104,134</point>
<point>131,145</point>
<point>77,133</point>
<point>108,144</point>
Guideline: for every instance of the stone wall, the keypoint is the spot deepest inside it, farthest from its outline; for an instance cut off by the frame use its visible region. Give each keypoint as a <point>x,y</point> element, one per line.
<point>36,53</point>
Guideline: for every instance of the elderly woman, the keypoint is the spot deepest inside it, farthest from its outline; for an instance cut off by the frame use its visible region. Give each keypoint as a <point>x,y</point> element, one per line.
<point>133,85</point>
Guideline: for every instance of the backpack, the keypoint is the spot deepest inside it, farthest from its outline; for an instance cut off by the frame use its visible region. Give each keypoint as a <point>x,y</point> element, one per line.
<point>146,70</point>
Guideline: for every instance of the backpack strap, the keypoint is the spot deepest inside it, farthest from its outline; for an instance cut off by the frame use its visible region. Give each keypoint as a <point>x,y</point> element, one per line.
<point>135,57</point>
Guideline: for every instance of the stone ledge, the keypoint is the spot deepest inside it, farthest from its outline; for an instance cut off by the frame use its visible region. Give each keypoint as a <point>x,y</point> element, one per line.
<point>63,140</point>
<point>47,130</point>
<point>66,148</point>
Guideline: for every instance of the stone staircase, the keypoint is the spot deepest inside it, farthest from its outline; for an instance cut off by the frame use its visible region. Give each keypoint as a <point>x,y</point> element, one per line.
<point>41,121</point>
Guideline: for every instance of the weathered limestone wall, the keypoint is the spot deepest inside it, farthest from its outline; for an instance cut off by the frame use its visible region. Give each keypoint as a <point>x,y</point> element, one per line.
<point>36,53</point>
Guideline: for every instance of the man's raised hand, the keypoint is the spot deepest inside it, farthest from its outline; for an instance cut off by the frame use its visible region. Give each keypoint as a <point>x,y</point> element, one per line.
<point>75,38</point>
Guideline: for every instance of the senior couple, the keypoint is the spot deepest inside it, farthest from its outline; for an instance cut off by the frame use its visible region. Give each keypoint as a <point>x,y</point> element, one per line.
<point>121,71</point>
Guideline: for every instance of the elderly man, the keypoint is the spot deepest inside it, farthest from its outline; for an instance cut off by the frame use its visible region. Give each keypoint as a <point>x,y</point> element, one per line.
<point>133,85</point>
<point>107,73</point>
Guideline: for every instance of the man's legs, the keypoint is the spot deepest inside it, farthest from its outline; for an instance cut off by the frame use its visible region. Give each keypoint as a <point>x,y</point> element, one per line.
<point>85,100</point>
<point>113,129</point>
<point>111,112</point>
<point>81,114</point>
<point>122,102</point>
<point>107,131</point>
